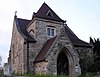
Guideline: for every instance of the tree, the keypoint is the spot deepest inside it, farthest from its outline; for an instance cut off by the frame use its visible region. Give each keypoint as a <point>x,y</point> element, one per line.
<point>91,41</point>
<point>96,52</point>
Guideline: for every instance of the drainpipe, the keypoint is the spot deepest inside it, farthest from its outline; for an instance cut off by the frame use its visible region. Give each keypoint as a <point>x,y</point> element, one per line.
<point>27,57</point>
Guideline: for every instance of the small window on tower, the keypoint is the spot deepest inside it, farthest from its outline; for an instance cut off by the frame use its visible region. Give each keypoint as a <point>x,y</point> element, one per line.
<point>49,14</point>
<point>51,31</point>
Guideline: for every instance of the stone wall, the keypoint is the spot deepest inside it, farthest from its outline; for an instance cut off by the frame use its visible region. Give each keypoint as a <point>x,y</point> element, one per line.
<point>40,35</point>
<point>63,43</point>
<point>40,68</point>
<point>86,57</point>
<point>39,27</point>
<point>17,51</point>
<point>34,49</point>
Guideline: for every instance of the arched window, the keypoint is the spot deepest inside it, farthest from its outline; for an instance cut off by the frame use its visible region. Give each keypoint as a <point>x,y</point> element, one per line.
<point>31,32</point>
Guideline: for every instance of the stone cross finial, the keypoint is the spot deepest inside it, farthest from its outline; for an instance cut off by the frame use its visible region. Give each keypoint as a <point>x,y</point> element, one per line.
<point>15,12</point>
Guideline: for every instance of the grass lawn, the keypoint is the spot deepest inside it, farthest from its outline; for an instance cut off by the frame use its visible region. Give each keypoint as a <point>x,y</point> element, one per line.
<point>31,75</point>
<point>83,75</point>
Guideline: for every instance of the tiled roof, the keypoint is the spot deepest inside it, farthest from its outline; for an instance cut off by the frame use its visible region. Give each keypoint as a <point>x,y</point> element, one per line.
<point>21,25</point>
<point>44,50</point>
<point>42,13</point>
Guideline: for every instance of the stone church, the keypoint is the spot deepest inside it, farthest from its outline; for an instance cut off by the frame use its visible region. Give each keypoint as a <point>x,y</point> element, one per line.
<point>46,45</point>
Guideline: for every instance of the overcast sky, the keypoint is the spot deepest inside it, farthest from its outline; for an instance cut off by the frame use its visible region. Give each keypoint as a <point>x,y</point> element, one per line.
<point>82,16</point>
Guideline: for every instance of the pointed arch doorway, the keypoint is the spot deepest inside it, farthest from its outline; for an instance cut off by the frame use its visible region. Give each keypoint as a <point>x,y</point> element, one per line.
<point>62,64</point>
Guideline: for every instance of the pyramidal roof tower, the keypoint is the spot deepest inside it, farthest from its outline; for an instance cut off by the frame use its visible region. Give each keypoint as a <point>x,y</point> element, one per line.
<point>46,12</point>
